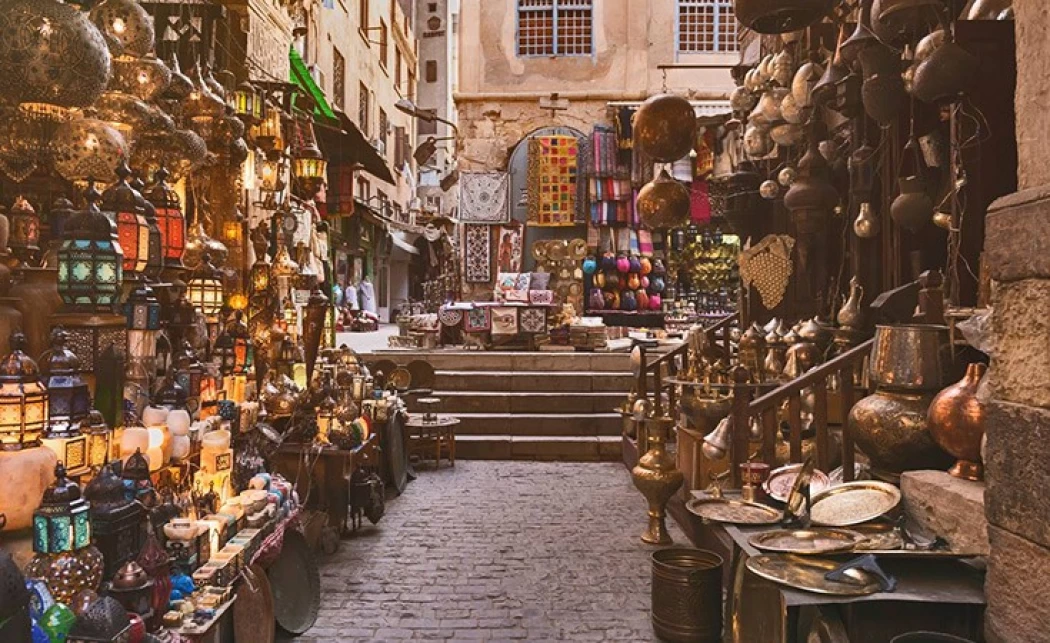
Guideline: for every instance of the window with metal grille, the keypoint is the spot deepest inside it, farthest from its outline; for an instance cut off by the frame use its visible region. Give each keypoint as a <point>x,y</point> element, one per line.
<point>555,28</point>
<point>383,43</point>
<point>364,111</point>
<point>384,125</point>
<point>338,79</point>
<point>705,27</point>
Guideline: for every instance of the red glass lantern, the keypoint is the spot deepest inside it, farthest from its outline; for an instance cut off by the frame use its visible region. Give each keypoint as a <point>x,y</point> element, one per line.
<point>170,219</point>
<point>126,207</point>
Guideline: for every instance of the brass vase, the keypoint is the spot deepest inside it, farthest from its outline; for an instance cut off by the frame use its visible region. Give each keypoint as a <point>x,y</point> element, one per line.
<point>657,478</point>
<point>890,428</point>
<point>956,421</point>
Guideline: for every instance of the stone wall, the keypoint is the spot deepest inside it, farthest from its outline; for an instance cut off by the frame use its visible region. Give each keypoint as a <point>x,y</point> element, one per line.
<point>1018,425</point>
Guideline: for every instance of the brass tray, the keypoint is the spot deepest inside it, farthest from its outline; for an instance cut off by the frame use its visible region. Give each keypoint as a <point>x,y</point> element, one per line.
<point>736,512</point>
<point>253,612</point>
<point>883,540</point>
<point>557,250</point>
<point>807,573</point>
<point>296,585</point>
<point>853,503</point>
<point>807,542</point>
<point>422,374</point>
<point>539,250</point>
<point>782,480</point>
<point>578,249</point>
<point>400,379</point>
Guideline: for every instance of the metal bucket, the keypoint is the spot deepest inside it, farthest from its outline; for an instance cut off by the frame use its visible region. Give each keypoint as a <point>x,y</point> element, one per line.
<point>687,595</point>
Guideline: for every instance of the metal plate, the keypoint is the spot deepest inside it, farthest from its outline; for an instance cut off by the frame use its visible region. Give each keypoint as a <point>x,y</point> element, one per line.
<point>782,479</point>
<point>400,379</point>
<point>381,370</point>
<point>806,542</point>
<point>737,512</point>
<point>296,585</point>
<point>853,503</point>
<point>578,249</point>
<point>422,374</point>
<point>807,573</point>
<point>557,250</point>
<point>885,541</point>
<point>539,250</point>
<point>395,456</point>
<point>253,611</point>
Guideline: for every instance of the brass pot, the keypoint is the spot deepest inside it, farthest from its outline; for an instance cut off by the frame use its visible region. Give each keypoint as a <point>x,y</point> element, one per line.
<point>883,96</point>
<point>780,16</point>
<point>657,478</point>
<point>949,72</point>
<point>956,421</point>
<point>913,207</point>
<point>663,203</point>
<point>914,357</point>
<point>665,127</point>
<point>687,595</point>
<point>890,428</point>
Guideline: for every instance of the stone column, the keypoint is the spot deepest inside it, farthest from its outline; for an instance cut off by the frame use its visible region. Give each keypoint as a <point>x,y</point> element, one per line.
<point>1017,502</point>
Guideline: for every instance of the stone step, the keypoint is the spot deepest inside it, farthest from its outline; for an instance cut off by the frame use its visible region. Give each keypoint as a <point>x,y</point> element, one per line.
<point>457,402</point>
<point>511,361</point>
<point>537,424</point>
<point>517,381</point>
<point>515,447</point>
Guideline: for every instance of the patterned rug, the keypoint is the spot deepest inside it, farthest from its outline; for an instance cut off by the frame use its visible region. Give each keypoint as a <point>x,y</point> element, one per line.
<point>478,320</point>
<point>533,320</point>
<point>477,253</point>
<point>483,197</point>
<point>552,180</point>
<point>504,320</point>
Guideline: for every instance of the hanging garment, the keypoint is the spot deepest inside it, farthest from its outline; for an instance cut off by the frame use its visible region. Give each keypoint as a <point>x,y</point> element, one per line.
<point>699,202</point>
<point>477,253</point>
<point>368,296</point>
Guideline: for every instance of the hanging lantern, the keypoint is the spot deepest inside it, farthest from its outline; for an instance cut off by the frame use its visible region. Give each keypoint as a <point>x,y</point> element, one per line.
<point>23,399</point>
<point>170,219</point>
<point>234,351</point>
<point>204,289</point>
<point>271,174</point>
<point>127,208</point>
<point>126,26</point>
<point>248,103</point>
<point>270,131</point>
<point>86,148</point>
<point>90,260</point>
<point>313,328</point>
<point>155,244</point>
<point>144,78</point>
<point>65,557</point>
<point>142,311</point>
<point>203,108</point>
<point>290,317</point>
<point>24,237</point>
<point>118,523</point>
<point>53,58</point>
<point>70,401</point>
<point>260,275</point>
<point>308,164</point>
<point>99,439</point>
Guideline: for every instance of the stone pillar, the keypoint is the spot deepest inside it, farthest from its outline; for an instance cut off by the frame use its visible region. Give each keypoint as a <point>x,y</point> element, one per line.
<point>1018,452</point>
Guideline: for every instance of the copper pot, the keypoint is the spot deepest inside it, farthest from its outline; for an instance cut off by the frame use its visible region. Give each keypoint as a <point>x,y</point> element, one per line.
<point>914,357</point>
<point>947,73</point>
<point>665,127</point>
<point>913,207</point>
<point>812,196</point>
<point>890,428</point>
<point>883,96</point>
<point>899,21</point>
<point>956,421</point>
<point>663,203</point>
<point>780,16</point>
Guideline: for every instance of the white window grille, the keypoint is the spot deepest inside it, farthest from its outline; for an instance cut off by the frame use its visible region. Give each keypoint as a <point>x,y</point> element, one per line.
<point>555,28</point>
<point>705,27</point>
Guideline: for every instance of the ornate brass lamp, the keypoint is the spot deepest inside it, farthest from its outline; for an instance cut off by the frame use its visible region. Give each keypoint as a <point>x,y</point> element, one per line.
<point>23,399</point>
<point>204,289</point>
<point>24,238</point>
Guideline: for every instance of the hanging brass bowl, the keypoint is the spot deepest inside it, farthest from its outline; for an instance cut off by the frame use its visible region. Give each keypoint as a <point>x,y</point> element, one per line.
<point>945,75</point>
<point>665,127</point>
<point>539,250</point>
<point>900,21</point>
<point>663,203</point>
<point>780,16</point>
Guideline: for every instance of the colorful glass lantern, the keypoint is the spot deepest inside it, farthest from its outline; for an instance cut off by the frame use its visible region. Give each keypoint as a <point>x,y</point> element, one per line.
<point>326,421</point>
<point>155,244</point>
<point>204,289</point>
<point>118,524</point>
<point>127,208</point>
<point>234,351</point>
<point>248,103</point>
<point>170,219</point>
<point>90,335</point>
<point>260,275</point>
<point>24,236</point>
<point>194,376</point>
<point>308,164</point>
<point>142,309</point>
<point>23,399</point>
<point>70,401</point>
<point>143,322</point>
<point>99,439</point>
<point>90,260</point>
<point>65,557</point>
<point>270,132</point>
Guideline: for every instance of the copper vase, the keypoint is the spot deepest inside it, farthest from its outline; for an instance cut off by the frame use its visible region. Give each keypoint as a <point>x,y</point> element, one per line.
<point>956,421</point>
<point>657,478</point>
<point>890,428</point>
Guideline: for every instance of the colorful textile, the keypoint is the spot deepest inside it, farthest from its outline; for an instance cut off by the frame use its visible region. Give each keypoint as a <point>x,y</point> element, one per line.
<point>645,243</point>
<point>552,180</point>
<point>479,320</point>
<point>477,253</point>
<point>450,317</point>
<point>533,320</point>
<point>483,197</point>
<point>699,202</point>
<point>506,281</point>
<point>541,297</point>
<point>516,296</point>
<point>625,128</point>
<point>508,249</point>
<point>504,320</point>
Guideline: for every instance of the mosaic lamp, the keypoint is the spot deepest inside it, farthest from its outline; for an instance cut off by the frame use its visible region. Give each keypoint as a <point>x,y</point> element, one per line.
<point>23,398</point>
<point>86,147</point>
<point>24,236</point>
<point>127,208</point>
<point>90,260</point>
<point>70,402</point>
<point>155,243</point>
<point>65,557</point>
<point>126,26</point>
<point>204,289</point>
<point>144,78</point>
<point>170,220</point>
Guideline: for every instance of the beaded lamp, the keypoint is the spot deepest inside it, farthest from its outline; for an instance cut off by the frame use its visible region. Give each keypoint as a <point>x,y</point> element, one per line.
<point>23,398</point>
<point>90,260</point>
<point>126,207</point>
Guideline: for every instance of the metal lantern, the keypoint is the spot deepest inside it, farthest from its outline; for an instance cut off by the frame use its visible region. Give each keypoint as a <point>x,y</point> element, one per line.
<point>104,621</point>
<point>90,335</point>
<point>309,166</point>
<point>193,376</point>
<point>142,311</point>
<point>117,522</point>
<point>155,243</point>
<point>204,289</point>
<point>65,557</point>
<point>260,275</point>
<point>170,219</point>
<point>203,108</point>
<point>24,238</point>
<point>126,25</point>
<point>234,351</point>
<point>23,399</point>
<point>248,103</point>
<point>327,421</point>
<point>99,439</point>
<point>70,402</point>
<point>171,394</point>
<point>90,260</point>
<point>86,148</point>
<point>313,328</point>
<point>270,131</point>
<point>144,78</point>
<point>127,208</point>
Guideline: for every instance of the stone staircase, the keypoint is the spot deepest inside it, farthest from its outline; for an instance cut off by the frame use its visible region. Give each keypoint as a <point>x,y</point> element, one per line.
<point>529,406</point>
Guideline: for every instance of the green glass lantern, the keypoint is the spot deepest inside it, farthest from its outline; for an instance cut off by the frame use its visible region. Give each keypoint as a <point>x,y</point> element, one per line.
<point>90,260</point>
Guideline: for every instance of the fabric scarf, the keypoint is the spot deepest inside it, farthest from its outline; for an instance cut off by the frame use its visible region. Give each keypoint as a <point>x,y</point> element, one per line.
<point>625,128</point>
<point>483,197</point>
<point>699,203</point>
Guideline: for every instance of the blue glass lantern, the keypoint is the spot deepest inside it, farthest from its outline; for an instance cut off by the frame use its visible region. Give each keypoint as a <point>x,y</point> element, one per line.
<point>142,309</point>
<point>90,271</point>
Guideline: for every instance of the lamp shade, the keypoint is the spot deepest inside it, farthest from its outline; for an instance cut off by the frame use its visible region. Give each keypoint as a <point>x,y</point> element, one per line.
<point>126,207</point>
<point>90,260</point>
<point>23,398</point>
<point>126,26</point>
<point>87,148</point>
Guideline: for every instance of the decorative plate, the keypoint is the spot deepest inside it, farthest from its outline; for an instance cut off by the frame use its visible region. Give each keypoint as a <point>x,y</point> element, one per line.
<point>558,250</point>
<point>807,573</point>
<point>381,370</point>
<point>539,250</point>
<point>296,585</point>
<point>578,249</point>
<point>737,512</point>
<point>853,503</point>
<point>400,379</point>
<point>781,480</point>
<point>422,373</point>
<point>253,611</point>
<point>806,541</point>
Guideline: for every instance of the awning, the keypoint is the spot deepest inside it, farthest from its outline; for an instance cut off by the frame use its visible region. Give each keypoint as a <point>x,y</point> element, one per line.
<point>400,240</point>
<point>346,145</point>
<point>301,77</point>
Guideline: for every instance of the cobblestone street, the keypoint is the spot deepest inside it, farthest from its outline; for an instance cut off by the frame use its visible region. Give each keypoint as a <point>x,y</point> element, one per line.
<point>497,551</point>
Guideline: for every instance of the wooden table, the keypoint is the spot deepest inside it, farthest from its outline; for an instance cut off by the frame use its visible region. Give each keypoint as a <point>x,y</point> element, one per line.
<point>433,436</point>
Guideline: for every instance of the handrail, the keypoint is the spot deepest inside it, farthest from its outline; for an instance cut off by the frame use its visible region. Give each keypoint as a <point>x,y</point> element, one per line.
<point>812,376</point>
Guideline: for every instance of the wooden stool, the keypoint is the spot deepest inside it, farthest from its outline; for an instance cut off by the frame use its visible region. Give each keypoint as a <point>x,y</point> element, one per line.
<point>433,436</point>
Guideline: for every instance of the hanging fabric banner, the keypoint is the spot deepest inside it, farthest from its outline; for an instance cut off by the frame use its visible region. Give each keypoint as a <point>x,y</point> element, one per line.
<point>483,197</point>
<point>552,180</point>
<point>508,248</point>
<point>477,253</point>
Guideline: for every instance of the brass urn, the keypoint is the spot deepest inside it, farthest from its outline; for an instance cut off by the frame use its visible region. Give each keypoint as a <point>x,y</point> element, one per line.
<point>663,203</point>
<point>665,127</point>
<point>956,420</point>
<point>890,428</point>
<point>657,478</point>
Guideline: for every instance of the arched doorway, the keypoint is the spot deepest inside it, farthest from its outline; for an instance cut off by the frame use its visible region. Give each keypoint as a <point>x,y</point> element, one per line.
<point>518,168</point>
